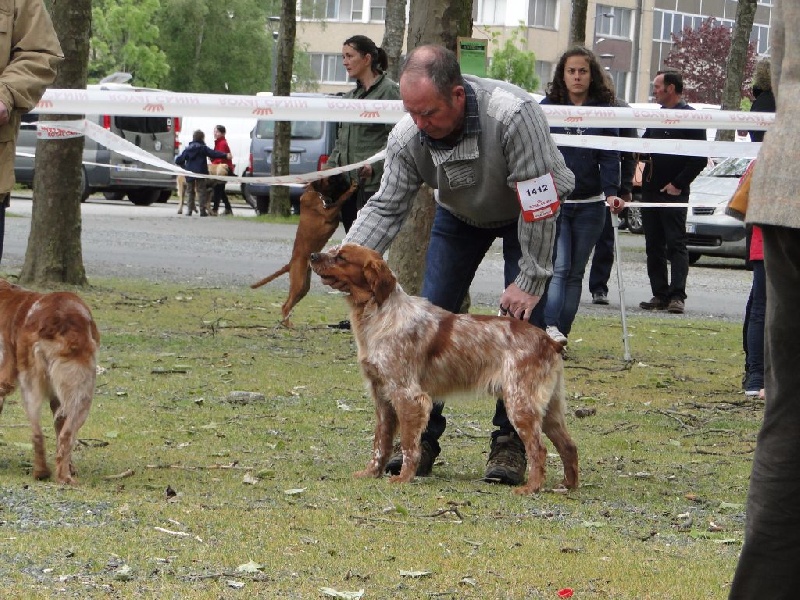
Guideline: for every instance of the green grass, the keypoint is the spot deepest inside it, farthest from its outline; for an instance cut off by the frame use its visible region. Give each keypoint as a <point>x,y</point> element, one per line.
<point>267,482</point>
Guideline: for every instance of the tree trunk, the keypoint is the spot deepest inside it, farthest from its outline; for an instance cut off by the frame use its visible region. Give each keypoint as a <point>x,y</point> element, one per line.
<point>54,251</point>
<point>430,22</point>
<point>279,203</point>
<point>393,34</point>
<point>737,62</point>
<point>577,26</point>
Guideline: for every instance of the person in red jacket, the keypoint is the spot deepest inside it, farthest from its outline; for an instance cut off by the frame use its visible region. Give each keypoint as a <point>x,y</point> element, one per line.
<point>221,145</point>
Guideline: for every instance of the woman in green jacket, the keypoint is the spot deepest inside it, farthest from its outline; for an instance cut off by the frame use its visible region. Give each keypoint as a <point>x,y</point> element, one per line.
<point>366,63</point>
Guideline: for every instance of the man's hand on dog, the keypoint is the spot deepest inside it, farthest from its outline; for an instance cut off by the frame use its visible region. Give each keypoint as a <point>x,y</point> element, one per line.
<point>516,303</point>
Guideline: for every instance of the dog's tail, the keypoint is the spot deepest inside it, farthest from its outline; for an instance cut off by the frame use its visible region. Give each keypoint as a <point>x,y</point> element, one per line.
<point>283,270</point>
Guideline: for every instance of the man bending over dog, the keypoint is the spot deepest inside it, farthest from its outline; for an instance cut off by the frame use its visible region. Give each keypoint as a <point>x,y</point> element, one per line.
<point>485,146</point>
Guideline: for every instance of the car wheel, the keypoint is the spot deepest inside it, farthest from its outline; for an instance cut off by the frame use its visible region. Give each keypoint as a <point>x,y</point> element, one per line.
<point>144,196</point>
<point>694,257</point>
<point>634,219</point>
<point>248,197</point>
<point>114,195</point>
<point>262,205</point>
<point>164,196</point>
<point>86,191</point>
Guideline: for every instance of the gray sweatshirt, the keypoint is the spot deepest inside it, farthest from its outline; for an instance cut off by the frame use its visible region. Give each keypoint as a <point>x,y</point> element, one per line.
<point>476,179</point>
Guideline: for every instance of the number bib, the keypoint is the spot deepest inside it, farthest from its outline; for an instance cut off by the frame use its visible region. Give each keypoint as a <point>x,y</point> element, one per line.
<point>538,198</point>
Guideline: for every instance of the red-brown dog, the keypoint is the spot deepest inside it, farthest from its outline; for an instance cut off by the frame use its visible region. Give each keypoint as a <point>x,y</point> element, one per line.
<point>48,345</point>
<point>410,351</point>
<point>320,207</point>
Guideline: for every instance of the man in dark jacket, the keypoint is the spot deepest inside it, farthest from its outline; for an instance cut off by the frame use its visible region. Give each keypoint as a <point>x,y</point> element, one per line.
<point>666,179</point>
<point>194,158</point>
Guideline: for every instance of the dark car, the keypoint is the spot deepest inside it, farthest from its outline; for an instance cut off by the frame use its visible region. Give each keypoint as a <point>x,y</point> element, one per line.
<point>110,172</point>
<point>310,147</point>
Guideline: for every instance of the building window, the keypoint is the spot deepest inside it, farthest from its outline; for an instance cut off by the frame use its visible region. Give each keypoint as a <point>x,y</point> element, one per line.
<point>665,23</point>
<point>328,68</point>
<point>377,10</point>
<point>760,37</point>
<point>323,9</point>
<point>356,10</point>
<point>612,21</point>
<point>620,79</point>
<point>544,71</point>
<point>543,13</point>
<point>489,12</point>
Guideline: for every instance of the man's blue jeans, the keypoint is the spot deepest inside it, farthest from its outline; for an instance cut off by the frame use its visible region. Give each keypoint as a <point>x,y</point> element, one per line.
<point>455,251</point>
<point>581,225</point>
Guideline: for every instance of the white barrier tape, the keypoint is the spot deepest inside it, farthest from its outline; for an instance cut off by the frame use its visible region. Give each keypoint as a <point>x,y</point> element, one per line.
<point>67,129</point>
<point>660,146</point>
<point>334,108</point>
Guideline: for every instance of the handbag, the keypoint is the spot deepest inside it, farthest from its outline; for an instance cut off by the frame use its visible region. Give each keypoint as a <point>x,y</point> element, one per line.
<point>737,205</point>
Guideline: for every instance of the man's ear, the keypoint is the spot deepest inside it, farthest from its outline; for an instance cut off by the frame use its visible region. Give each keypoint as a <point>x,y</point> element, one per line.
<point>380,279</point>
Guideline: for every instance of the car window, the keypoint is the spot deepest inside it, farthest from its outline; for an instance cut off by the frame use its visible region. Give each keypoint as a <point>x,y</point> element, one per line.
<point>143,124</point>
<point>730,167</point>
<point>301,130</point>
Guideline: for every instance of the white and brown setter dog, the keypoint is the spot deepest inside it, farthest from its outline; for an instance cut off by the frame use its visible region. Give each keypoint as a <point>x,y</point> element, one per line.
<point>48,346</point>
<point>410,351</point>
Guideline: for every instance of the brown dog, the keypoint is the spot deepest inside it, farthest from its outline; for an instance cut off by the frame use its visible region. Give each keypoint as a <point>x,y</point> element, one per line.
<point>48,345</point>
<point>410,351</point>
<point>320,206</point>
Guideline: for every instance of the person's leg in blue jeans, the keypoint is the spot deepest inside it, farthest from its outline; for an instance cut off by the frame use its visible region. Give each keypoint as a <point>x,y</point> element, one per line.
<point>602,260</point>
<point>562,264</point>
<point>755,330</point>
<point>587,226</point>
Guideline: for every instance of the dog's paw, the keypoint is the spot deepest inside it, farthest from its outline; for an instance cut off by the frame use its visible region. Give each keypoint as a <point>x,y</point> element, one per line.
<point>368,472</point>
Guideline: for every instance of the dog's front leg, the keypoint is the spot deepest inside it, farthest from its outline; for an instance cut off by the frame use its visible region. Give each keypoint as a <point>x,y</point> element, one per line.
<point>413,412</point>
<point>385,426</point>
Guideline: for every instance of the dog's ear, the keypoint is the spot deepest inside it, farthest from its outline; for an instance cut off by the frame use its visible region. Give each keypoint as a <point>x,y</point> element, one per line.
<point>380,279</point>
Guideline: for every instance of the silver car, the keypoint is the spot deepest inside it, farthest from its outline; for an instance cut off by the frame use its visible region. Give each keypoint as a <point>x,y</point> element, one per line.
<point>709,230</point>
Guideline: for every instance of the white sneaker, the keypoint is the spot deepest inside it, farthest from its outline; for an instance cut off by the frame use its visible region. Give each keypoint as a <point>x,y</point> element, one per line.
<point>556,335</point>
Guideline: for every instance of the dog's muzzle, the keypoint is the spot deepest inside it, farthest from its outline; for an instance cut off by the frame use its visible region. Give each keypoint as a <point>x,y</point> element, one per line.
<point>327,201</point>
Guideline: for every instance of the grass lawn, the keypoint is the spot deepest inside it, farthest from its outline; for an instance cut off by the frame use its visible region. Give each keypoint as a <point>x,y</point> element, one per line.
<point>189,489</point>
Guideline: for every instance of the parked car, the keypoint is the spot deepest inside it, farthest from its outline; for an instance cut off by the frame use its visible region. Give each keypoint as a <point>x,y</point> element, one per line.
<point>109,172</point>
<point>709,230</point>
<point>311,144</point>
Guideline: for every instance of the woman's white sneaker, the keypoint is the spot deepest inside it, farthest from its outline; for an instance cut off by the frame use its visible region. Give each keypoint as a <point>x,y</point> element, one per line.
<point>556,335</point>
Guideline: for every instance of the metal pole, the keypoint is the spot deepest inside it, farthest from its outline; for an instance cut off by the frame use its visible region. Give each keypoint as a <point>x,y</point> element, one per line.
<point>621,286</point>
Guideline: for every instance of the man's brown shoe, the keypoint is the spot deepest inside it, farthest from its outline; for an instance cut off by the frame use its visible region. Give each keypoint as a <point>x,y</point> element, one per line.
<point>507,461</point>
<point>426,460</point>
<point>655,303</point>
<point>675,307</point>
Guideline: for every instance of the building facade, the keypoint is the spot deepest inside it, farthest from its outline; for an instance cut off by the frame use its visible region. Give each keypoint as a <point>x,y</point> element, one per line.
<point>631,37</point>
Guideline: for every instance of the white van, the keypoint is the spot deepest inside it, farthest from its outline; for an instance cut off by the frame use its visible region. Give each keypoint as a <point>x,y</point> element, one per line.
<point>237,133</point>
<point>109,172</point>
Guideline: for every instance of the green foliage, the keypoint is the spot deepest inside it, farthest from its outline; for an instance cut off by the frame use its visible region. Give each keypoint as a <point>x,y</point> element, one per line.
<point>513,63</point>
<point>125,37</point>
<point>216,47</point>
<point>189,491</point>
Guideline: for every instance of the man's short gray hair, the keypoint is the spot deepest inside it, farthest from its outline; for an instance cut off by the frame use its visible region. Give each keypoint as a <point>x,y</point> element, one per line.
<point>436,63</point>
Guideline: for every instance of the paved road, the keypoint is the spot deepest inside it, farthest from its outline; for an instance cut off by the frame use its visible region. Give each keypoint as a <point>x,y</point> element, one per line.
<point>155,243</point>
